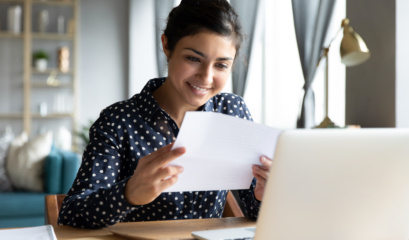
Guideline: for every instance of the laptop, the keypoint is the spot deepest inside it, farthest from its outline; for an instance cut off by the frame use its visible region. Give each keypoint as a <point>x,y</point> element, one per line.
<point>334,184</point>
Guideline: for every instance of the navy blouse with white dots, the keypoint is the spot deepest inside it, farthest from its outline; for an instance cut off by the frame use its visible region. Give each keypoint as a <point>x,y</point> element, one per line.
<point>125,132</point>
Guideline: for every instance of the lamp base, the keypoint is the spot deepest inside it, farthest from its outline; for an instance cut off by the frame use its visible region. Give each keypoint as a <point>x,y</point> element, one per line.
<point>327,123</point>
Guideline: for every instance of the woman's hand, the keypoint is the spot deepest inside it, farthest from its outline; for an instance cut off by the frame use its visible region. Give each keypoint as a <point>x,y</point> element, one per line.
<point>152,175</point>
<point>260,172</point>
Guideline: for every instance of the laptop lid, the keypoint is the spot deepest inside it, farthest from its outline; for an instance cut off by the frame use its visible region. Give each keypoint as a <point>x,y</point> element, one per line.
<point>338,184</point>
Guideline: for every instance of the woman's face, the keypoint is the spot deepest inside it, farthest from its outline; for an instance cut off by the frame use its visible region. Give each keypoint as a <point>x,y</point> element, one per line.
<point>198,67</point>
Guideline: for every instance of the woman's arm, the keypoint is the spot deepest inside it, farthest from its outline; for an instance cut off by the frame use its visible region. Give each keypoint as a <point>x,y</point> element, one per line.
<point>96,198</point>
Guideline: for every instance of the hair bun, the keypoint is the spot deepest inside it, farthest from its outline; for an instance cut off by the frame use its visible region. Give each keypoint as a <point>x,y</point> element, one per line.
<point>199,2</point>
<point>190,2</point>
<point>193,16</point>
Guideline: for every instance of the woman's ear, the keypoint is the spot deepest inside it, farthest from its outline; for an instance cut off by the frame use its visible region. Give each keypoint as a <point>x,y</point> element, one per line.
<point>165,47</point>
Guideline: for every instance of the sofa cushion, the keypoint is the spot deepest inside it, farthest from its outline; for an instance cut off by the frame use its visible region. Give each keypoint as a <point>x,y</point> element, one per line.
<point>15,204</point>
<point>53,171</point>
<point>71,164</point>
<point>25,161</point>
<point>5,140</point>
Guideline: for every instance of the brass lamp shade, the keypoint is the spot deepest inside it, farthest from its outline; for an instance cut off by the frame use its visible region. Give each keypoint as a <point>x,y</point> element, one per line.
<point>353,49</point>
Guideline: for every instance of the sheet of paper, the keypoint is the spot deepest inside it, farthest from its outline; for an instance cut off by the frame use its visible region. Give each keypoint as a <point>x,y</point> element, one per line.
<point>45,232</point>
<point>220,151</point>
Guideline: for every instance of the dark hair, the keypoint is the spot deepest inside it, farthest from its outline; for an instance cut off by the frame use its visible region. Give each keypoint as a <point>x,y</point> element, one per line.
<point>195,16</point>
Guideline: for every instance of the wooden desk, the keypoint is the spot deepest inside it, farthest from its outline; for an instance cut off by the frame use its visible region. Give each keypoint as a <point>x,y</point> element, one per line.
<point>175,229</point>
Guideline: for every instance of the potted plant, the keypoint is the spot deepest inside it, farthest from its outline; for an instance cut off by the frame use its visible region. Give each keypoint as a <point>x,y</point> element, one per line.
<point>40,60</point>
<point>83,135</point>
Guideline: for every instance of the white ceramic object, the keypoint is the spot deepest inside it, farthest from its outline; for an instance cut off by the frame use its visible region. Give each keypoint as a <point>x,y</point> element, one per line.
<point>43,21</point>
<point>41,64</point>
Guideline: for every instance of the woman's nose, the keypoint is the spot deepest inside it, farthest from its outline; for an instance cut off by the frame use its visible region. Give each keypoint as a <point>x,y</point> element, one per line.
<point>206,73</point>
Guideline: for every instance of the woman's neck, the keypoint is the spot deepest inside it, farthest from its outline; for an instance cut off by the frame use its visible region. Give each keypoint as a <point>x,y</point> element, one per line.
<point>171,104</point>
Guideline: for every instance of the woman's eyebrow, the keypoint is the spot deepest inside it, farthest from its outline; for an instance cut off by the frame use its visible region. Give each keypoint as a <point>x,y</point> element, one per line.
<point>204,55</point>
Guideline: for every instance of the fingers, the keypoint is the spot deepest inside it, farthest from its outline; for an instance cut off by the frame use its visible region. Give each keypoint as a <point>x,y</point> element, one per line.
<point>167,157</point>
<point>166,183</point>
<point>153,175</point>
<point>160,151</point>
<point>157,166</point>
<point>265,161</point>
<point>163,156</point>
<point>263,169</point>
<point>262,172</point>
<point>169,171</point>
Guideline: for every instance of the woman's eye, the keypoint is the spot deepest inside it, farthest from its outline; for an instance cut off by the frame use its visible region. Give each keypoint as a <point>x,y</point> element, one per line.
<point>193,59</point>
<point>221,66</point>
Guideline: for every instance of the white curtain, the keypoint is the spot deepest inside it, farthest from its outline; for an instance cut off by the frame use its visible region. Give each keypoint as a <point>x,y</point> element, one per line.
<point>247,11</point>
<point>311,21</point>
<point>162,9</point>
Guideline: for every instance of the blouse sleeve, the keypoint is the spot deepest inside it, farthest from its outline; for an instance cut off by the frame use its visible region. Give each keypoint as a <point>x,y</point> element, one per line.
<point>96,198</point>
<point>249,201</point>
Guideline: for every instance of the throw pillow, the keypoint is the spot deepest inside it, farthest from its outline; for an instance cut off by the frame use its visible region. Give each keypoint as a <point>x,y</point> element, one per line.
<point>26,159</point>
<point>5,140</point>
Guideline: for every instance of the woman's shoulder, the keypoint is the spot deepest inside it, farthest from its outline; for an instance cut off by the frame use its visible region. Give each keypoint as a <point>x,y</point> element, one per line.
<point>138,106</point>
<point>120,109</point>
<point>228,99</point>
<point>229,103</point>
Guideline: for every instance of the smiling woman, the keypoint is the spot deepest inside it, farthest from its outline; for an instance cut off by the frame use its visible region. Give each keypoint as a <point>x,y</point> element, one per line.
<point>125,170</point>
<point>199,67</point>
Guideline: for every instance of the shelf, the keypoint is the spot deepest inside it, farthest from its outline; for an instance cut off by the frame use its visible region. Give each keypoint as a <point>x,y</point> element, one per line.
<point>11,115</point>
<point>53,115</point>
<point>51,86</point>
<point>11,1</point>
<point>52,36</point>
<point>4,34</point>
<point>54,2</point>
<point>46,85</point>
<point>51,70</point>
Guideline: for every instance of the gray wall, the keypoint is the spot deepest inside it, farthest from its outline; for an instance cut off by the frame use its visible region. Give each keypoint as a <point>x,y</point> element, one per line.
<point>103,56</point>
<point>143,49</point>
<point>370,87</point>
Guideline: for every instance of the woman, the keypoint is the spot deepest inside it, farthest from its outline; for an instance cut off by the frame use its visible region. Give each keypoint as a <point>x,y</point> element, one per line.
<point>124,174</point>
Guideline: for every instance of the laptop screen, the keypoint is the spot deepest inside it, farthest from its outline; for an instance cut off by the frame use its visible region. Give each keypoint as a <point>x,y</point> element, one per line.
<point>338,184</point>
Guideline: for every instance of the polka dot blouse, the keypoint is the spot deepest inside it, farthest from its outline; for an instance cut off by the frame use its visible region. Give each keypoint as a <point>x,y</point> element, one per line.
<point>125,132</point>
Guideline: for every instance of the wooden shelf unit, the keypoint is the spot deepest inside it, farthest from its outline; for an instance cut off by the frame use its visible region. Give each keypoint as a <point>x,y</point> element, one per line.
<point>4,34</point>
<point>52,36</point>
<point>53,115</point>
<point>54,2</point>
<point>28,36</point>
<point>11,1</point>
<point>11,115</point>
<point>50,70</point>
<point>47,85</point>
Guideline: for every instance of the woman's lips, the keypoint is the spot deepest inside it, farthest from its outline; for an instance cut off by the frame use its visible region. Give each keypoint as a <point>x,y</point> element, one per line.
<point>201,90</point>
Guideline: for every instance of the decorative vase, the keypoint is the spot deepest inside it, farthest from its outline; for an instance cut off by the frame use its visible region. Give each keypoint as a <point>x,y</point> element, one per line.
<point>14,19</point>
<point>43,21</point>
<point>61,25</point>
<point>41,64</point>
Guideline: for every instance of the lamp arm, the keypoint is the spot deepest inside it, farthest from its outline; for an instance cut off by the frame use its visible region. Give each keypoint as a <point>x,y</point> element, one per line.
<point>329,45</point>
<point>335,36</point>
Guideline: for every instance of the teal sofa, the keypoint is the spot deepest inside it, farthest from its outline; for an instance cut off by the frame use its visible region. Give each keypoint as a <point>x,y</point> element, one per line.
<point>26,209</point>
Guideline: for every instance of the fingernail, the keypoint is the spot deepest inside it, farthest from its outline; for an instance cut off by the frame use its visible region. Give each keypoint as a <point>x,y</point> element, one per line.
<point>180,150</point>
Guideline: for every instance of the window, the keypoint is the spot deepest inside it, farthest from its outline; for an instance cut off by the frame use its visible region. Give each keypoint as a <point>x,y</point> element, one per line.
<point>274,87</point>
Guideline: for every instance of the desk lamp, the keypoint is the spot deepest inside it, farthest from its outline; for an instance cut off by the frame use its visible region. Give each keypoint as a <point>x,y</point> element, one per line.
<point>353,51</point>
